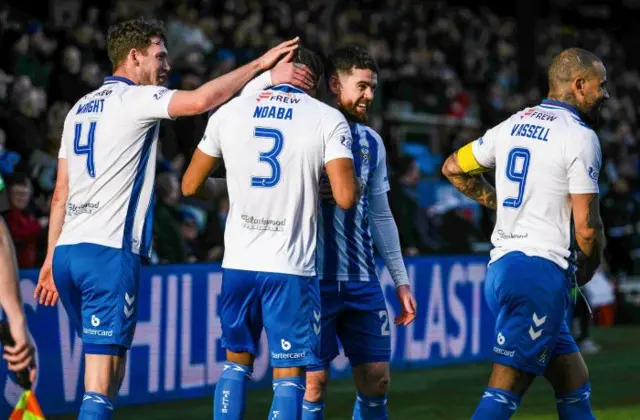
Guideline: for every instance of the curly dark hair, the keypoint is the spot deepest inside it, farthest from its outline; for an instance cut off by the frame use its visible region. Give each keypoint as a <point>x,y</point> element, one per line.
<point>137,33</point>
<point>344,59</point>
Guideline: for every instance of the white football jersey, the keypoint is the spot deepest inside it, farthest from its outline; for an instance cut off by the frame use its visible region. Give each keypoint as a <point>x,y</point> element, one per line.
<point>275,144</point>
<point>541,155</point>
<point>109,141</point>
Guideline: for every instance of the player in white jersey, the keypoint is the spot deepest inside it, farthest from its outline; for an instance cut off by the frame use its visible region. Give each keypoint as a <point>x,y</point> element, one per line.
<point>354,308</point>
<point>275,145</point>
<point>547,159</point>
<point>102,207</point>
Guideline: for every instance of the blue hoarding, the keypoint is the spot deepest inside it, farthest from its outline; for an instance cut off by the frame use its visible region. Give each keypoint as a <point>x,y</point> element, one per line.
<point>176,351</point>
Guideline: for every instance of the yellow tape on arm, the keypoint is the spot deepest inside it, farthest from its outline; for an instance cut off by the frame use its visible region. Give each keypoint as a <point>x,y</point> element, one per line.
<point>467,161</point>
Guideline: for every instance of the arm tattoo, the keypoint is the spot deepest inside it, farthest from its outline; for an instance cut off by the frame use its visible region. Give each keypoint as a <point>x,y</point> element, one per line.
<point>475,187</point>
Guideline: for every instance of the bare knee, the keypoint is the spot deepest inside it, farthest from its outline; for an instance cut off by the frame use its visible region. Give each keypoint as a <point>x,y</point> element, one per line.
<point>316,385</point>
<point>567,373</point>
<point>243,358</point>
<point>510,379</point>
<point>104,374</point>
<point>372,379</point>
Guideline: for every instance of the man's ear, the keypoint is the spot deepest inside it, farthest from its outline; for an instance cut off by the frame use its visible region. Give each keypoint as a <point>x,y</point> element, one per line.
<point>334,85</point>
<point>135,54</point>
<point>578,86</point>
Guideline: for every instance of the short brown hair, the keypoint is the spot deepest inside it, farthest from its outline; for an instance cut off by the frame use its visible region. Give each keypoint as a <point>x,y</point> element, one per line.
<point>137,33</point>
<point>568,63</point>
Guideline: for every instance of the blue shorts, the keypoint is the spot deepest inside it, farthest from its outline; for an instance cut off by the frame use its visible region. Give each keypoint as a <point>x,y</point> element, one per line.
<point>356,313</point>
<point>284,304</point>
<point>530,297</point>
<point>98,287</point>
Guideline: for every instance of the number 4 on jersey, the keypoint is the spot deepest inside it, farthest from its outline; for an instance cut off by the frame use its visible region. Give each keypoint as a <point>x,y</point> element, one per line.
<point>85,149</point>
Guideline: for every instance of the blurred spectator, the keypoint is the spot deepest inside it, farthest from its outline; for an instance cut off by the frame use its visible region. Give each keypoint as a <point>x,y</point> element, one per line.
<point>621,216</point>
<point>25,228</point>
<point>167,225</point>
<point>213,235</point>
<point>66,83</point>
<point>8,159</point>
<point>24,127</point>
<point>191,234</point>
<point>410,217</point>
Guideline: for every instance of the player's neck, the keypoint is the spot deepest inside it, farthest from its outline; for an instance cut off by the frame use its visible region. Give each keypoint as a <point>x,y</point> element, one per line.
<point>122,72</point>
<point>565,97</point>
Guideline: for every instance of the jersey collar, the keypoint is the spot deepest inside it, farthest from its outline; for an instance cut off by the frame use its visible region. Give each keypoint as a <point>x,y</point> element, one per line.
<point>559,104</point>
<point>287,88</point>
<point>113,79</point>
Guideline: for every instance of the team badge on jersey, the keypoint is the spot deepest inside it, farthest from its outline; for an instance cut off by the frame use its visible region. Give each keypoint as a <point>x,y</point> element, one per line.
<point>365,155</point>
<point>543,356</point>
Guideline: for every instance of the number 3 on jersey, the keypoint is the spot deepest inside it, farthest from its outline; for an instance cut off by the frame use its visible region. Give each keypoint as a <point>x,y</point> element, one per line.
<point>270,157</point>
<point>86,149</point>
<point>517,170</point>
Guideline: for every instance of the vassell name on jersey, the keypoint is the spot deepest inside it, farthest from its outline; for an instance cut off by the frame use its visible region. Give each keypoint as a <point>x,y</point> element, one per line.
<point>541,156</point>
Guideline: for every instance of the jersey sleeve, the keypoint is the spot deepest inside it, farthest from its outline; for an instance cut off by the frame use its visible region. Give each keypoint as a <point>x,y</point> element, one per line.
<point>380,179</point>
<point>148,103</point>
<point>484,148</point>
<point>210,143</point>
<point>67,133</point>
<point>257,84</point>
<point>337,137</point>
<point>584,160</point>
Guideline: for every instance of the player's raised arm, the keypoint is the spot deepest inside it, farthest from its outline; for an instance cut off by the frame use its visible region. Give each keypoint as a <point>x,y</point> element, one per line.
<point>284,72</point>
<point>139,57</point>
<point>583,173</point>
<point>216,92</point>
<point>464,169</point>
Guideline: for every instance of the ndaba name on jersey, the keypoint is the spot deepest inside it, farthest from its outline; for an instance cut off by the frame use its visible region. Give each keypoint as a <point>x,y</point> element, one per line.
<point>273,194</point>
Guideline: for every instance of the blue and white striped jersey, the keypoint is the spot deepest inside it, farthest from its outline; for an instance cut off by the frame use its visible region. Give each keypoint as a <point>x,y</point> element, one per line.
<point>109,141</point>
<point>345,245</point>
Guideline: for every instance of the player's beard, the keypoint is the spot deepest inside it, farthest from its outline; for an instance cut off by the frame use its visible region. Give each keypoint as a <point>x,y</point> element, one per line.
<point>592,117</point>
<point>350,111</point>
<point>145,79</point>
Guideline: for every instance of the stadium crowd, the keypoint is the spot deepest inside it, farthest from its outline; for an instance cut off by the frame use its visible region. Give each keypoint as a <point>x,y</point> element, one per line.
<point>433,59</point>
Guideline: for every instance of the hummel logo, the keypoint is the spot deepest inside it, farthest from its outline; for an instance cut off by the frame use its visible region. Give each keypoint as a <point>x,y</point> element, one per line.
<point>129,299</point>
<point>534,334</point>
<point>538,321</point>
<point>128,311</point>
<point>316,315</point>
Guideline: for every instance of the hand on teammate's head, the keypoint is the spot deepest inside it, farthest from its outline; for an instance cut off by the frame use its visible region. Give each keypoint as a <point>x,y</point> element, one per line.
<point>287,72</point>
<point>271,57</point>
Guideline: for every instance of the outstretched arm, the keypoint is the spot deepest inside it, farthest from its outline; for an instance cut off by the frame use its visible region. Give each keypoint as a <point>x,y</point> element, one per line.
<point>218,91</point>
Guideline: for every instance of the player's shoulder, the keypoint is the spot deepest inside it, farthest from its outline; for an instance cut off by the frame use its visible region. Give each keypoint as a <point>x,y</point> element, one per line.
<point>371,133</point>
<point>557,112</point>
<point>228,109</point>
<point>328,113</point>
